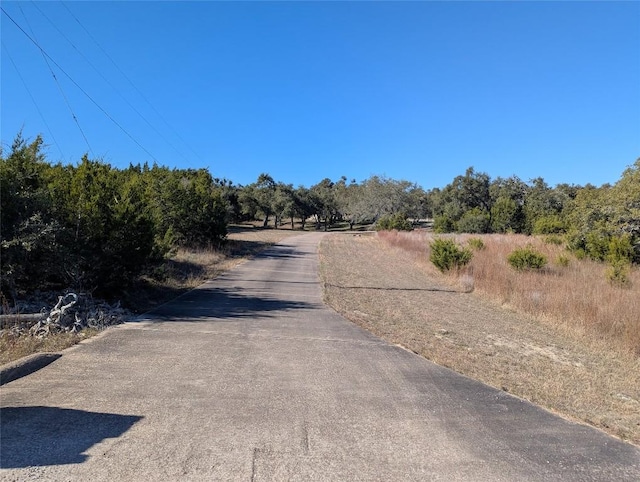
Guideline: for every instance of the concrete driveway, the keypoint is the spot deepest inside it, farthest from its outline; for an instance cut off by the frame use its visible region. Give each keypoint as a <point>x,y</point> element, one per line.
<point>251,378</point>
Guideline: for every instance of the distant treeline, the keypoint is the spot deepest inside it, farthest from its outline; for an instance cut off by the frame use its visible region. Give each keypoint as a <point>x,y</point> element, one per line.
<point>91,226</point>
<point>602,223</point>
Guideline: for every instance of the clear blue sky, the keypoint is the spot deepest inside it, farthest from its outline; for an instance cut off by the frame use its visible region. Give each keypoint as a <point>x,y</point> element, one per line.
<point>308,90</point>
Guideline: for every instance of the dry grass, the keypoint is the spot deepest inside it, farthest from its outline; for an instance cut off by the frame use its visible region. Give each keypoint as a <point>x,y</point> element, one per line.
<point>398,295</point>
<point>579,297</point>
<point>14,347</point>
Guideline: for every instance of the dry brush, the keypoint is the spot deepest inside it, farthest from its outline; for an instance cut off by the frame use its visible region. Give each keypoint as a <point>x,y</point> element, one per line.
<point>574,294</point>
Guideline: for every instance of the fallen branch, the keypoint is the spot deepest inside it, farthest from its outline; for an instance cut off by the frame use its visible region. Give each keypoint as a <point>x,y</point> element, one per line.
<point>70,314</point>
<point>55,318</point>
<point>20,317</point>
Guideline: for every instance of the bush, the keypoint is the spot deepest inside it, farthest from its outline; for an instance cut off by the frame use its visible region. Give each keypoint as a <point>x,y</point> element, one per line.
<point>551,224</point>
<point>553,239</point>
<point>580,254</point>
<point>444,224</point>
<point>476,243</point>
<point>618,273</point>
<point>601,246</point>
<point>562,261</point>
<point>395,221</point>
<point>620,249</point>
<point>474,221</point>
<point>526,259</point>
<point>94,227</point>
<point>597,246</point>
<point>446,255</point>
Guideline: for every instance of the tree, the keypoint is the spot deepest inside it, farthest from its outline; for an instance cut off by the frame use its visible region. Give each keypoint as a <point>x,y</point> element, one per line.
<point>625,200</point>
<point>283,203</point>
<point>231,197</point>
<point>27,230</point>
<point>507,212</point>
<point>470,192</point>
<point>325,204</point>
<point>352,202</point>
<point>304,206</point>
<point>198,214</point>
<point>94,227</point>
<point>541,200</point>
<point>264,189</point>
<point>506,215</point>
<point>599,218</point>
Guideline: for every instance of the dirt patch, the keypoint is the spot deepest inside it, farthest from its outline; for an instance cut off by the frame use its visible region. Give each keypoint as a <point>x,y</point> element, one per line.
<point>398,297</point>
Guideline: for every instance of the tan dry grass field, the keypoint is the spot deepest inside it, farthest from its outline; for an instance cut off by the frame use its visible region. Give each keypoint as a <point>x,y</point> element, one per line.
<point>573,294</point>
<point>391,289</point>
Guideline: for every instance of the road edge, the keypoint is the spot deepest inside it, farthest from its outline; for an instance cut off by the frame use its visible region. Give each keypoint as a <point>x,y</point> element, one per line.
<point>25,366</point>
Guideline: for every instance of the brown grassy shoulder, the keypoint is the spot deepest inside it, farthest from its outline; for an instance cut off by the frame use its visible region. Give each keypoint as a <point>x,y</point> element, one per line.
<point>399,296</point>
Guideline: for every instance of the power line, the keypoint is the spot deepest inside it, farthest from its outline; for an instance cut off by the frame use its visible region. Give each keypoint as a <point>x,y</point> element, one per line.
<point>131,82</point>
<point>66,100</point>
<point>32,99</point>
<point>78,86</point>
<point>107,81</point>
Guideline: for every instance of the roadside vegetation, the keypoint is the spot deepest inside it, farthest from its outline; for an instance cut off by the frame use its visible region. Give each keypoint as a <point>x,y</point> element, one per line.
<point>92,227</point>
<point>569,292</point>
<point>562,337</point>
<point>559,264</point>
<point>95,228</point>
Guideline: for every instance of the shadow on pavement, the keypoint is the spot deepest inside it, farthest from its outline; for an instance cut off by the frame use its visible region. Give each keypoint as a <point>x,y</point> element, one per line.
<point>237,247</point>
<point>224,303</point>
<point>279,251</point>
<point>37,436</point>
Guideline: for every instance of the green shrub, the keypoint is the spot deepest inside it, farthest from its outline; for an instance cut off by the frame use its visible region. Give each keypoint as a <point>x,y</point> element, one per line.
<point>446,255</point>
<point>394,221</point>
<point>580,253</point>
<point>597,246</point>
<point>620,249</point>
<point>474,221</point>
<point>553,239</point>
<point>562,260</point>
<point>618,273</point>
<point>476,243</point>
<point>527,258</point>
<point>551,224</point>
<point>443,224</point>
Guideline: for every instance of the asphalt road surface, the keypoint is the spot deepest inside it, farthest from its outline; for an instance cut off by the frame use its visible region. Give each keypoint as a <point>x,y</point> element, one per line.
<point>251,378</point>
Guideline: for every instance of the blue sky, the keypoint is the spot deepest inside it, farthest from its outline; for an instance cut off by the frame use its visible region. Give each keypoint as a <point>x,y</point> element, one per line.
<point>308,90</point>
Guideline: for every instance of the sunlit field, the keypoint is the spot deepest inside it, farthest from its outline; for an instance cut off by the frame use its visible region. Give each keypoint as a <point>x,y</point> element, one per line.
<point>576,296</point>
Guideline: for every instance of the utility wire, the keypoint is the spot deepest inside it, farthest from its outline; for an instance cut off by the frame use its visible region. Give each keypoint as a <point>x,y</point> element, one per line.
<point>66,99</point>
<point>109,83</point>
<point>32,99</point>
<point>78,86</point>
<point>131,82</point>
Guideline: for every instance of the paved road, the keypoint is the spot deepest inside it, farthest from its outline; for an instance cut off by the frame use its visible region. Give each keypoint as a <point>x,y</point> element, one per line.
<point>251,378</point>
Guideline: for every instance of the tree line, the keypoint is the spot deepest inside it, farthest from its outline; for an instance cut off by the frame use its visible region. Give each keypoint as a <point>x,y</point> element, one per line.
<point>602,223</point>
<point>327,202</point>
<point>94,227</point>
